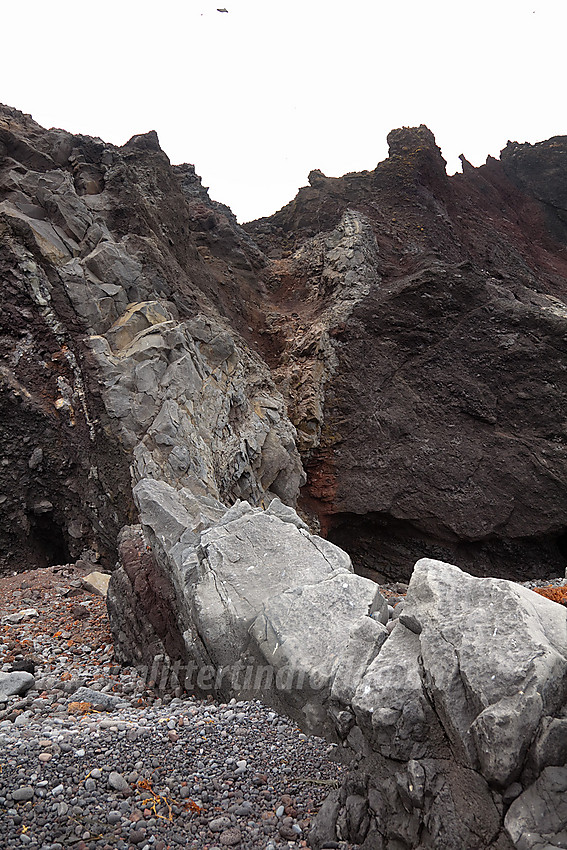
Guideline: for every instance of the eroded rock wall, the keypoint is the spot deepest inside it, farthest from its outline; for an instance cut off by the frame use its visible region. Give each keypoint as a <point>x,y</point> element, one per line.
<point>423,322</point>
<point>64,482</point>
<point>414,323</point>
<point>126,291</point>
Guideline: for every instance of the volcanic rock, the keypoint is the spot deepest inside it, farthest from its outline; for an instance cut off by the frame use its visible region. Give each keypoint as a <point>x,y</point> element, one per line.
<point>126,291</point>
<point>167,374</point>
<point>424,356</point>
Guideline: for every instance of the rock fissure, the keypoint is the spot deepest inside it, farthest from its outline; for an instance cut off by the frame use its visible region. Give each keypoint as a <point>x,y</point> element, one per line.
<point>459,739</point>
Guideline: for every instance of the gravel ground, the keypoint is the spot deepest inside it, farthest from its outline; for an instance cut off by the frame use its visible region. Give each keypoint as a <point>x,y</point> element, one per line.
<point>152,771</point>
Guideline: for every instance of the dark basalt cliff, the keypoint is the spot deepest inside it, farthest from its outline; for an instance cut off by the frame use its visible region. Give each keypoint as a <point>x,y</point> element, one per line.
<point>423,343</point>
<point>414,323</point>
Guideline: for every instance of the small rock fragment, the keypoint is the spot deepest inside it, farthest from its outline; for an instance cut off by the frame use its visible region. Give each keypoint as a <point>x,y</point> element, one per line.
<point>117,781</point>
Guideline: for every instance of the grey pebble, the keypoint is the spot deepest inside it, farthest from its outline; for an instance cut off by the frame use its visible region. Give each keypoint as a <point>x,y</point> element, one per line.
<point>117,781</point>
<point>218,824</point>
<point>106,701</point>
<point>23,794</point>
<point>231,837</point>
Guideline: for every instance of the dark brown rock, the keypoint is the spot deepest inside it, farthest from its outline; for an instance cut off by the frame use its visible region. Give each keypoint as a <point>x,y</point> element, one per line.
<point>141,602</point>
<point>428,391</point>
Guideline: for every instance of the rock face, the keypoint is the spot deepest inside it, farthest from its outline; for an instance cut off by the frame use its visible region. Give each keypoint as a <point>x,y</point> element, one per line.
<point>167,374</point>
<point>426,353</point>
<point>451,719</point>
<point>121,347</point>
<point>413,325</point>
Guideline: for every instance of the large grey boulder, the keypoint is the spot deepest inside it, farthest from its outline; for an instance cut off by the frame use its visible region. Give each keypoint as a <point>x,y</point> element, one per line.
<point>310,630</point>
<point>266,607</point>
<point>463,708</point>
<point>246,564</point>
<point>494,661</point>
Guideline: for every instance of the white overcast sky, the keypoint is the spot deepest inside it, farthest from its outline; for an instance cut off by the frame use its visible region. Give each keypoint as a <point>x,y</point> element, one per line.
<point>258,97</point>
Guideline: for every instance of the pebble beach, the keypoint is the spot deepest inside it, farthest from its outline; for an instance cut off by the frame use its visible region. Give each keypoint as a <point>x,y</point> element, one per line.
<point>95,756</point>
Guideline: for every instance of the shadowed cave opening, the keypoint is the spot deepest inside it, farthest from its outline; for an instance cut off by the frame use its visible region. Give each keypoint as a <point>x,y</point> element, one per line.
<point>562,545</point>
<point>385,549</point>
<point>47,541</point>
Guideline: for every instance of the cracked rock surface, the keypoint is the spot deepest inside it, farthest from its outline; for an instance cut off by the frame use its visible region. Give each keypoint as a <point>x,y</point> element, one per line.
<point>448,717</point>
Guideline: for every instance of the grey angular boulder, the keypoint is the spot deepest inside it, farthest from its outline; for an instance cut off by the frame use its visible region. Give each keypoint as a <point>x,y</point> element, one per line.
<point>250,591</point>
<point>462,709</point>
<point>307,629</point>
<point>365,640</point>
<point>537,819</point>
<point>104,702</point>
<point>391,706</point>
<point>244,564</point>
<point>494,658</point>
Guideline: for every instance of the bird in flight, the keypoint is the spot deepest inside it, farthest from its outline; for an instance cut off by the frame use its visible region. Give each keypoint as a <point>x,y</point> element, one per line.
<point>223,10</point>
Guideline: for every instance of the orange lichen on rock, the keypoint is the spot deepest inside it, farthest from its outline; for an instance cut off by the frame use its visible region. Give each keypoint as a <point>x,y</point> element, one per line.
<point>556,594</point>
<point>80,708</point>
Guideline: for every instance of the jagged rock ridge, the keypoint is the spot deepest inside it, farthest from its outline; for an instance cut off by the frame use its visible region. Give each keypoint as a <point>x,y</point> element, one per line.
<point>414,323</point>
<point>125,289</point>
